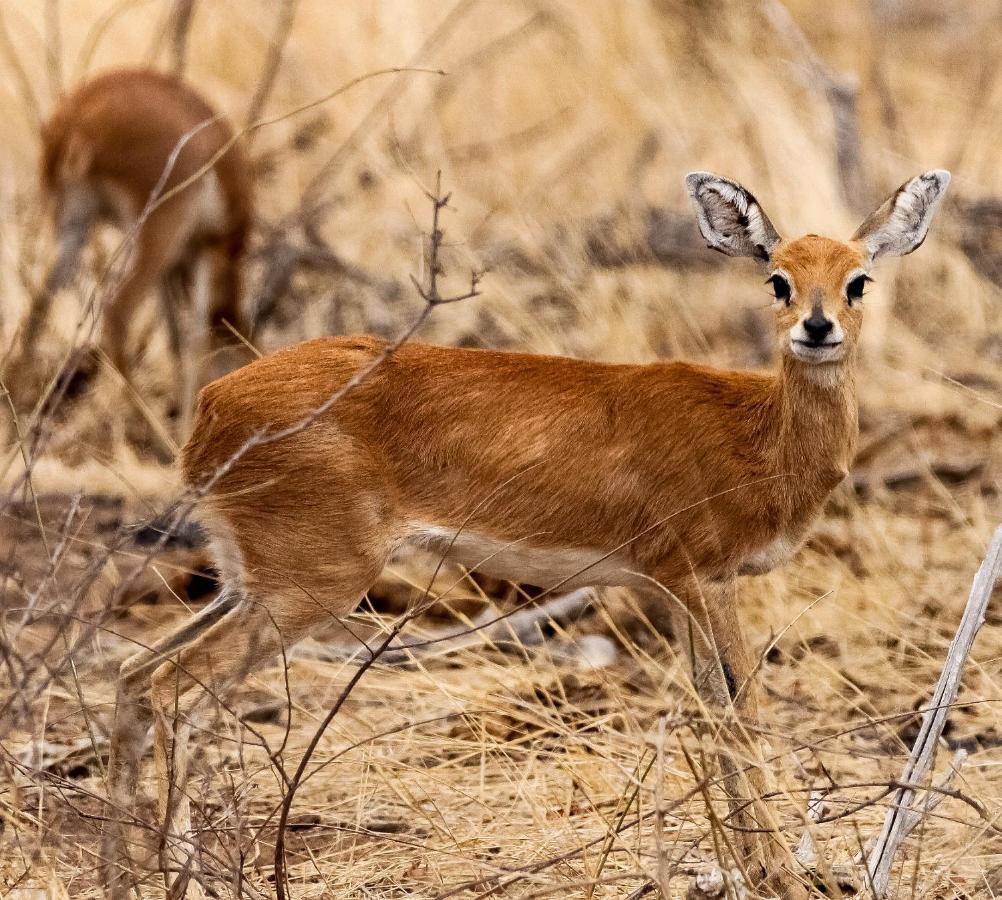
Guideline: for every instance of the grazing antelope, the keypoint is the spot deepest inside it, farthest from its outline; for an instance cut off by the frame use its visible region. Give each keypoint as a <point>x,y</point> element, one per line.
<point>111,147</point>
<point>670,478</point>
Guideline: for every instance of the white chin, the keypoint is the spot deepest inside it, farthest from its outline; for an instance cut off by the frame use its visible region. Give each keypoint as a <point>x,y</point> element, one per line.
<point>816,355</point>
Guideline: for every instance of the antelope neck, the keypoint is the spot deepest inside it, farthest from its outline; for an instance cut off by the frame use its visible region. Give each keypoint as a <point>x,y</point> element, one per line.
<point>817,416</point>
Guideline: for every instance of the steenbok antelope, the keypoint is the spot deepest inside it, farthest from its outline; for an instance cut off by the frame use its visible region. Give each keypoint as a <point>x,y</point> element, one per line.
<point>110,149</point>
<point>670,478</point>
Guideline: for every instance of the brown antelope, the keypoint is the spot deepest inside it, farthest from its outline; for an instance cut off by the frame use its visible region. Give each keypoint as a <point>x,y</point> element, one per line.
<point>670,478</point>
<point>110,149</point>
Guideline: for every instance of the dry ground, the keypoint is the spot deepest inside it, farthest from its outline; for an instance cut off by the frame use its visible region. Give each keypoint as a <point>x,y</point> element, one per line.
<point>563,131</point>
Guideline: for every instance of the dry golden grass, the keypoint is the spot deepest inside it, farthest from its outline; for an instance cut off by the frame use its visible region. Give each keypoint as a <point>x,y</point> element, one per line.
<point>483,768</point>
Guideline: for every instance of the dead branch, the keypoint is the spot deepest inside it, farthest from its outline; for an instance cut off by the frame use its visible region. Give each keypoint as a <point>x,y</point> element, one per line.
<point>276,47</point>
<point>180,28</point>
<point>430,293</point>
<point>841,92</point>
<point>904,815</point>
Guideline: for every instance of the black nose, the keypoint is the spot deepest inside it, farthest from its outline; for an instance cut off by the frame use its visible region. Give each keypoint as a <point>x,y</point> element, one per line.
<point>818,328</point>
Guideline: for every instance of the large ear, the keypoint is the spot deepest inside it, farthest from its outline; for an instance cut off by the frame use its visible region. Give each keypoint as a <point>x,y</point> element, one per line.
<point>730,218</point>
<point>900,225</point>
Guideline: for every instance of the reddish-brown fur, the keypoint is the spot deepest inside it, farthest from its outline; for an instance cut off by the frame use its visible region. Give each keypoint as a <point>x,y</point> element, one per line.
<point>670,478</point>
<point>492,441</point>
<point>105,150</point>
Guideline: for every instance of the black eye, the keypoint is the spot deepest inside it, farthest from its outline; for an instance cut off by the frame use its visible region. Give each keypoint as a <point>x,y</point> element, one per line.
<point>781,288</point>
<point>854,289</point>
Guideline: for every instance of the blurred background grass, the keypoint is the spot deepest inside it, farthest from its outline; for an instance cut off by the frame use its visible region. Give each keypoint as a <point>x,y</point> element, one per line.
<point>559,128</point>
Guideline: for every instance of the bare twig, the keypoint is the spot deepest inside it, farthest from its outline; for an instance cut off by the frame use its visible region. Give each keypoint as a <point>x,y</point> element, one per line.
<point>430,292</point>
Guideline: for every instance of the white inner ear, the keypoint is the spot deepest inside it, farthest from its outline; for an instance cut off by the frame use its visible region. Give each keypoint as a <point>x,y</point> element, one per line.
<point>739,200</point>
<point>720,206</point>
<point>757,232</point>
<point>907,221</point>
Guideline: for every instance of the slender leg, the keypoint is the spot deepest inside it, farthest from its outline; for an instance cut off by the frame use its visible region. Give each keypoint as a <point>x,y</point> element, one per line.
<point>133,717</point>
<point>78,211</point>
<point>192,356</point>
<point>79,207</point>
<point>226,303</point>
<point>159,244</point>
<point>223,655</point>
<point>171,301</point>
<point>707,623</point>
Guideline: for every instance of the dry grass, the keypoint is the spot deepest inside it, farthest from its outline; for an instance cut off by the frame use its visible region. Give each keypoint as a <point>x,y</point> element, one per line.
<point>533,772</point>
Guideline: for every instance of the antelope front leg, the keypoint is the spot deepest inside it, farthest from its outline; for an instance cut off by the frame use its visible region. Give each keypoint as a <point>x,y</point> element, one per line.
<point>709,627</point>
<point>133,716</point>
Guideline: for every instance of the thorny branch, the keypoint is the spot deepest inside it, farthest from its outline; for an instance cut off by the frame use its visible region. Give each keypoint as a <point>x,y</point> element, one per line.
<point>430,293</point>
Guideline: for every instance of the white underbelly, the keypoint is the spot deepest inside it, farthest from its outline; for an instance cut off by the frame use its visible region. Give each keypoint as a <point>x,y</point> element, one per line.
<point>205,212</point>
<point>528,562</point>
<point>769,556</point>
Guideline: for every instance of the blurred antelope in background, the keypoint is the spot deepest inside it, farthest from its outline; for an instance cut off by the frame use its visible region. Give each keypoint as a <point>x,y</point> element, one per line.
<point>670,478</point>
<point>109,151</point>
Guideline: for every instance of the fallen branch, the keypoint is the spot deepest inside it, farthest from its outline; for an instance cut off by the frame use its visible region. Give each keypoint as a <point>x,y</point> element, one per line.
<point>904,815</point>
<point>949,471</point>
<point>518,630</point>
